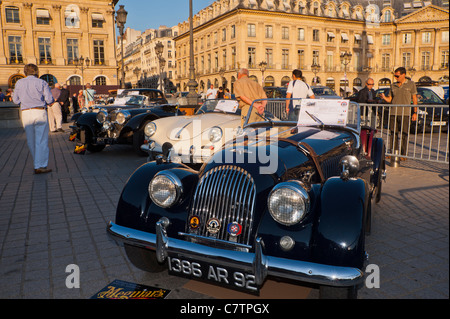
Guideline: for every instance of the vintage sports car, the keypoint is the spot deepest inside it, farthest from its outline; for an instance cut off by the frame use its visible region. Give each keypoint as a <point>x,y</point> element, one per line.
<point>194,138</point>
<point>290,200</point>
<point>118,124</point>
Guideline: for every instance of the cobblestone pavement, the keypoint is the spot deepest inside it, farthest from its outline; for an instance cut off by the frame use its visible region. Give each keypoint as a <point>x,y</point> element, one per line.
<point>50,221</point>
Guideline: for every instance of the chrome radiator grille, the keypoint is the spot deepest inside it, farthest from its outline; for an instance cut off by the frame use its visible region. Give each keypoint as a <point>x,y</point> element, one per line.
<point>227,193</point>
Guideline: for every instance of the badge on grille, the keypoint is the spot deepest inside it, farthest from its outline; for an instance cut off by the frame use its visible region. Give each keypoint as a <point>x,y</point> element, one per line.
<point>194,222</point>
<point>213,225</point>
<point>234,229</point>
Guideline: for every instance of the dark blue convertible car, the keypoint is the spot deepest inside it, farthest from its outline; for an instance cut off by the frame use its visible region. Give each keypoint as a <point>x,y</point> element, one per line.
<point>283,199</point>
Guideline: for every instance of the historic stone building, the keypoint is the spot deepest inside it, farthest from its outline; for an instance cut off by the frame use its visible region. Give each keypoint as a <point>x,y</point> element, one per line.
<point>231,34</point>
<point>144,65</point>
<point>55,35</point>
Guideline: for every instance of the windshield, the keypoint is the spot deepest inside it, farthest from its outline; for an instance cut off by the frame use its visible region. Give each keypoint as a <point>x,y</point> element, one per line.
<point>323,91</point>
<point>136,100</point>
<point>304,112</point>
<point>222,106</point>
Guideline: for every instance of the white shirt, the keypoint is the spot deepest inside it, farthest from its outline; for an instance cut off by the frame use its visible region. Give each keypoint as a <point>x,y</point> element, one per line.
<point>212,95</point>
<point>301,90</point>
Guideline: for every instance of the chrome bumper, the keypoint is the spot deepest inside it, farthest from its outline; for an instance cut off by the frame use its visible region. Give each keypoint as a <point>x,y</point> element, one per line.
<point>257,263</point>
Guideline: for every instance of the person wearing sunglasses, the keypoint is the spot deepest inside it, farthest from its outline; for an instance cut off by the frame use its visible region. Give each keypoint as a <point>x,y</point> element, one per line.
<point>403,92</point>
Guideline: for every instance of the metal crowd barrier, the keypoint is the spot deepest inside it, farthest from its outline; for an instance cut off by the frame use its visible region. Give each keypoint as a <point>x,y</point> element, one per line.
<point>426,138</point>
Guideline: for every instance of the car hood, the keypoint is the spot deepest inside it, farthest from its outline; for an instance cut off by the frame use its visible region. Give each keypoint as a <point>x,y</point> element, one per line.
<point>181,128</point>
<point>274,156</point>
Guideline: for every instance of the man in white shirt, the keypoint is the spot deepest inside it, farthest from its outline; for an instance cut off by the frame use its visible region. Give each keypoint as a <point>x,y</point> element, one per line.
<point>211,93</point>
<point>297,89</point>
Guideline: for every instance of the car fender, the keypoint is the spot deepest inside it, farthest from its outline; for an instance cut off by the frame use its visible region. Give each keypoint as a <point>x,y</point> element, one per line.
<point>75,117</point>
<point>340,223</point>
<point>136,210</point>
<point>89,120</point>
<point>378,155</point>
<point>137,121</point>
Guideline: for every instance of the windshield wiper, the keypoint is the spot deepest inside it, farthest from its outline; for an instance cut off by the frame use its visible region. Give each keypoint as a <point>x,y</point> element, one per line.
<point>315,118</point>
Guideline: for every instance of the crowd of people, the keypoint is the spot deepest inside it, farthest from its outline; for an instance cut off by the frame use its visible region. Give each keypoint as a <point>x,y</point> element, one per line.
<point>44,109</point>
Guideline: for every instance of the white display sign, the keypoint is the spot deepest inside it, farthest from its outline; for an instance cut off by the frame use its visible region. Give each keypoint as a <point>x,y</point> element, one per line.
<point>229,106</point>
<point>329,112</point>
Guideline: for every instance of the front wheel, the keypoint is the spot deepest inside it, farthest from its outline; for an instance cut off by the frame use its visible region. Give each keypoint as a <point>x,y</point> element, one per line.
<point>327,292</point>
<point>95,148</point>
<point>143,259</point>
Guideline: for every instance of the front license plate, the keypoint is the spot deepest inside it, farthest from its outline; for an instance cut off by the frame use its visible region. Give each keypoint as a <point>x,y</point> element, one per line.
<point>438,123</point>
<point>224,276</point>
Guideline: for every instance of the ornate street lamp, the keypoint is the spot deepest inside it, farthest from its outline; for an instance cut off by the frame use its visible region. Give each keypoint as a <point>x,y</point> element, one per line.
<point>159,50</point>
<point>263,67</point>
<point>82,63</point>
<point>121,19</point>
<point>192,84</point>
<point>346,57</point>
<point>315,68</point>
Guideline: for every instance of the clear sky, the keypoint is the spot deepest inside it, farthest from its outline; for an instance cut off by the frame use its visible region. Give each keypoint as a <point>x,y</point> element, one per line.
<point>150,14</point>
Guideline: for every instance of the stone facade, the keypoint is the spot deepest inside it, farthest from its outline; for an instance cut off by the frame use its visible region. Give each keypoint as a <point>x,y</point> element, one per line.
<point>52,34</point>
<point>231,34</point>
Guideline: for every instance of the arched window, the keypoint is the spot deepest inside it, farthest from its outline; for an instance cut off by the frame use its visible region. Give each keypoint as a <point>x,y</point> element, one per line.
<point>74,80</point>
<point>100,80</point>
<point>285,80</point>
<point>13,80</point>
<point>384,82</point>
<point>254,78</point>
<point>330,83</point>
<point>315,81</point>
<point>269,81</point>
<point>357,82</point>
<point>50,79</point>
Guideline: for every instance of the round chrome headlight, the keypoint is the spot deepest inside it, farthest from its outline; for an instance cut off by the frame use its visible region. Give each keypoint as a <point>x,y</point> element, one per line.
<point>150,129</point>
<point>288,203</point>
<point>165,189</point>
<point>122,117</point>
<point>102,115</point>
<point>215,134</point>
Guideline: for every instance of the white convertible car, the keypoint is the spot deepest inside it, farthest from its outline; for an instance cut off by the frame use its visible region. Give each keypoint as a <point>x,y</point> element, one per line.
<point>193,139</point>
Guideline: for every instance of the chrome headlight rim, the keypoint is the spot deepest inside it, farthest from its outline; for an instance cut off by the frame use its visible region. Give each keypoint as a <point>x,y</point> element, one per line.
<point>215,134</point>
<point>122,116</point>
<point>175,181</point>
<point>296,217</point>
<point>150,129</point>
<point>102,116</point>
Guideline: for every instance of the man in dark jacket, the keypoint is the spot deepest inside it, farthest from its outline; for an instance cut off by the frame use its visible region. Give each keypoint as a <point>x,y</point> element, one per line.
<point>367,94</point>
<point>65,102</point>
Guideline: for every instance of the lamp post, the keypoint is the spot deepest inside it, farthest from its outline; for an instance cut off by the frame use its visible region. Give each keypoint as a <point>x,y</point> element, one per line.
<point>192,84</point>
<point>82,63</point>
<point>159,50</point>
<point>263,67</point>
<point>412,71</point>
<point>137,72</point>
<point>121,19</point>
<point>346,57</point>
<point>315,68</point>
